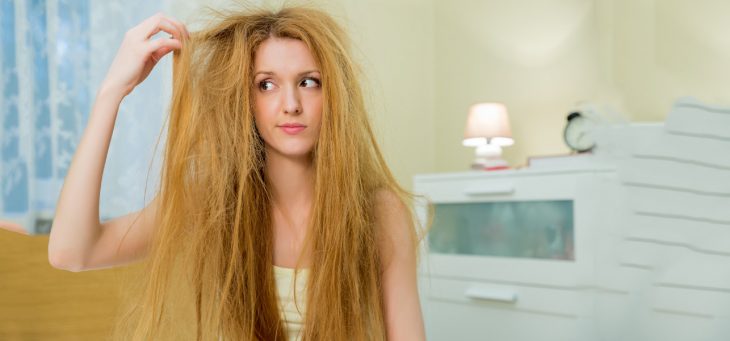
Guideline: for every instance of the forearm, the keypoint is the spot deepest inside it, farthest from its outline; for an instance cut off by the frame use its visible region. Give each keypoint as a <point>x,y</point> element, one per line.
<point>76,224</point>
<point>76,227</point>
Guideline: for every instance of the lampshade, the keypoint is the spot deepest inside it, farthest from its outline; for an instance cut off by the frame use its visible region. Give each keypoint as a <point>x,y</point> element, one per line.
<point>487,123</point>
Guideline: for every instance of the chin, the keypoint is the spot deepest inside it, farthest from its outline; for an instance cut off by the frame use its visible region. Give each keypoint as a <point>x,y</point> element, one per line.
<point>298,154</point>
<point>294,152</point>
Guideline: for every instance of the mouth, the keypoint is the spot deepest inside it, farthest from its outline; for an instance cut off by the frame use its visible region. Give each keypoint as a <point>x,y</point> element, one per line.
<point>292,128</point>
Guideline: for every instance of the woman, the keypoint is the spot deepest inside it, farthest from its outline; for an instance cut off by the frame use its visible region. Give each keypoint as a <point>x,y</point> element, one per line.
<point>271,177</point>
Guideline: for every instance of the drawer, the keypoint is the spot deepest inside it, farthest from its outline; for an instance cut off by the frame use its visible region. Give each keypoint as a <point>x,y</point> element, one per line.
<point>531,300</point>
<point>534,229</point>
<point>475,310</point>
<point>530,272</point>
<point>447,321</point>
<point>498,188</point>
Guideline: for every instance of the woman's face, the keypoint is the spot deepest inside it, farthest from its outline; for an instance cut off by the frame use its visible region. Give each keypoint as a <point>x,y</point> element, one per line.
<point>288,96</point>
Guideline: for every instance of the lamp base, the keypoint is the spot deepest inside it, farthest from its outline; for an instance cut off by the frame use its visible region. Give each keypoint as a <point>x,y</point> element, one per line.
<point>489,164</point>
<point>489,157</point>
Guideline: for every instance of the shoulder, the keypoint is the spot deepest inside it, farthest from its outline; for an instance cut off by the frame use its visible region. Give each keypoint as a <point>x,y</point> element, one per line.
<point>394,221</point>
<point>391,211</point>
<point>388,202</point>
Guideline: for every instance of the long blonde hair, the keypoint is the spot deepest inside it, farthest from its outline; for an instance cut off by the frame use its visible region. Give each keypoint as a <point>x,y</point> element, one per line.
<point>210,272</point>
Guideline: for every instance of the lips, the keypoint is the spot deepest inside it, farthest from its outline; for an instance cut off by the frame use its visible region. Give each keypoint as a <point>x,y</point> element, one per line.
<point>291,125</point>
<point>292,128</point>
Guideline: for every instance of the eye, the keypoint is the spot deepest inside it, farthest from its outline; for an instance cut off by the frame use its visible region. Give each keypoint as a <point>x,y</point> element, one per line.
<point>314,82</point>
<point>263,85</point>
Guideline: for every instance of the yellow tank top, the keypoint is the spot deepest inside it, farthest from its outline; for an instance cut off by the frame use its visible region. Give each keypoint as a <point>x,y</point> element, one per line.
<point>292,313</point>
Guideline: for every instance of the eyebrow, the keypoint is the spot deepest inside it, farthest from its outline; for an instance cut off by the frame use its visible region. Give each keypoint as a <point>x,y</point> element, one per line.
<point>273,73</point>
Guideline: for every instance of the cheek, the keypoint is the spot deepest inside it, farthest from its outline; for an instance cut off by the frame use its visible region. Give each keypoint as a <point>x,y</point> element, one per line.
<point>259,120</point>
<point>262,112</point>
<point>315,107</point>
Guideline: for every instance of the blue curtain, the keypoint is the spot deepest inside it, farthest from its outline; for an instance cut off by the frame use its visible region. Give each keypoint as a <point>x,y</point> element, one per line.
<point>47,85</point>
<point>15,183</point>
<point>31,151</point>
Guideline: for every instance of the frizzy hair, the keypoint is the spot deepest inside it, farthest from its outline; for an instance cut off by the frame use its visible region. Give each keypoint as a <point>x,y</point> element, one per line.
<point>209,274</point>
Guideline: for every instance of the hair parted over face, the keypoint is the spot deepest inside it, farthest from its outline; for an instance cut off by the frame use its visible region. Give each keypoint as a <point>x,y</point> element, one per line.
<point>287,96</point>
<point>210,270</point>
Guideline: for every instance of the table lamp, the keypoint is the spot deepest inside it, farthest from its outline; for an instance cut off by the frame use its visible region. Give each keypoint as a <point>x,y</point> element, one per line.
<point>488,129</point>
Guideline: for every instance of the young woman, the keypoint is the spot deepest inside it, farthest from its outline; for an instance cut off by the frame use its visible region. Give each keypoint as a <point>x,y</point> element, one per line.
<point>276,215</point>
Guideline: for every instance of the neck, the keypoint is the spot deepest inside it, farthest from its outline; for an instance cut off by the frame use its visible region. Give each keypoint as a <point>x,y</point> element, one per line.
<point>291,180</point>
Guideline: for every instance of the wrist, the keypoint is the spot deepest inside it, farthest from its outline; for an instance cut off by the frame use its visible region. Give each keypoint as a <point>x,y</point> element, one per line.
<point>112,91</point>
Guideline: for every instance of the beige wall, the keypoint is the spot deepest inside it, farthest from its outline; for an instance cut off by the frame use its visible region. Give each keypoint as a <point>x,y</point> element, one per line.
<point>539,58</point>
<point>542,57</point>
<point>669,48</point>
<point>397,53</point>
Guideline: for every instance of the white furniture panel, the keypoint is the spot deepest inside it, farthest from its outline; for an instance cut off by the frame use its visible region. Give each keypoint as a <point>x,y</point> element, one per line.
<point>471,322</point>
<point>515,245</point>
<point>690,116</point>
<point>659,144</point>
<point>530,299</point>
<point>700,303</point>
<point>700,236</point>
<point>674,175</point>
<point>679,204</point>
<point>672,326</point>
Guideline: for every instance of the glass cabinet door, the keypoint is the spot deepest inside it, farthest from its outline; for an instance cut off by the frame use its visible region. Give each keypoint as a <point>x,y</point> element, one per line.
<point>524,229</point>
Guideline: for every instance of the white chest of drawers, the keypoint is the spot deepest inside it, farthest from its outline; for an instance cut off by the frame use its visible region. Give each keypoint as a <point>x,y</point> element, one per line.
<point>511,254</point>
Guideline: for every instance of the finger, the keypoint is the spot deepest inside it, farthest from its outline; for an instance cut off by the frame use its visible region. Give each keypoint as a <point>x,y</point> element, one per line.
<point>180,26</point>
<point>157,55</point>
<point>154,24</point>
<point>148,25</point>
<point>168,27</point>
<point>157,44</point>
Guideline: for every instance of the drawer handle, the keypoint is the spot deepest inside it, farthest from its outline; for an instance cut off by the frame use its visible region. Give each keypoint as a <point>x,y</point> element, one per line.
<point>491,190</point>
<point>480,293</point>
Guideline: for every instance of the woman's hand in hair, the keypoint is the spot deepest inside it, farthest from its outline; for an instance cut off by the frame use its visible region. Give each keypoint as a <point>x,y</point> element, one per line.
<point>138,53</point>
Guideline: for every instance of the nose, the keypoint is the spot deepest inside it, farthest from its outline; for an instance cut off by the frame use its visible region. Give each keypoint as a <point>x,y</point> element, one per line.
<point>292,104</point>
